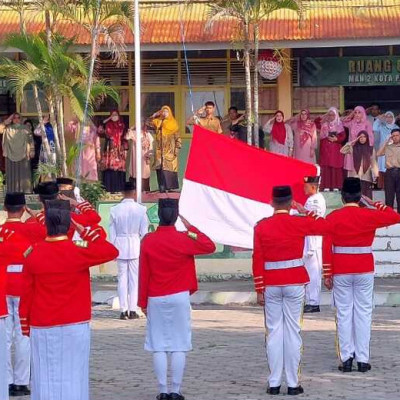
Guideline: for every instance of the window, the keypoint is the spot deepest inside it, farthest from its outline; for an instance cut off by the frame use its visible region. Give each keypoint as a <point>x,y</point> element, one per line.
<point>152,102</point>
<point>108,104</point>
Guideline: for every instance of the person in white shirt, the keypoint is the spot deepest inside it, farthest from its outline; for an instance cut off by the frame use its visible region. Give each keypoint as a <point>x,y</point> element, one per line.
<point>128,224</point>
<point>313,245</point>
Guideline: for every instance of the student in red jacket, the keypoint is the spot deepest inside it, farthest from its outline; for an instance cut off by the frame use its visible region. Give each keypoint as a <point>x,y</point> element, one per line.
<point>19,371</point>
<point>57,305</point>
<point>9,241</point>
<point>349,269</point>
<point>82,213</point>
<point>280,278</point>
<point>167,278</point>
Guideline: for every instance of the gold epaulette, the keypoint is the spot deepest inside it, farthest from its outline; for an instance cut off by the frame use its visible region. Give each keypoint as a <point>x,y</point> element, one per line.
<point>28,251</point>
<point>82,243</point>
<point>192,235</point>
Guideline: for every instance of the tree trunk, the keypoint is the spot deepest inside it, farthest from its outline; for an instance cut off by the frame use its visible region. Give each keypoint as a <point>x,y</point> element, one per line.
<point>45,142</point>
<point>22,25</point>
<point>48,29</point>
<point>60,113</point>
<point>93,56</point>
<point>256,86</point>
<point>247,67</point>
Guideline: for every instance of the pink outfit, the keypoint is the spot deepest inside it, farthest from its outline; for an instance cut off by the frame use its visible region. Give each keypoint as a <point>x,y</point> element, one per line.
<point>91,147</point>
<point>305,139</point>
<point>354,129</point>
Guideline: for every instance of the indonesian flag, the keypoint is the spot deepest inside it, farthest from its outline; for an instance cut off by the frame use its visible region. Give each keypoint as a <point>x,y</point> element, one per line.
<point>228,184</point>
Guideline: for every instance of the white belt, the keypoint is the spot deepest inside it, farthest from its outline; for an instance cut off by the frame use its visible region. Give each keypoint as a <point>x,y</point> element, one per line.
<point>14,268</point>
<point>352,250</point>
<point>298,262</point>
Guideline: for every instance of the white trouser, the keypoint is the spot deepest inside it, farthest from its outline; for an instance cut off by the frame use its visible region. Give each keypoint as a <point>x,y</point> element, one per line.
<point>283,314</point>
<point>20,374</point>
<point>313,265</point>
<point>128,271</point>
<point>353,298</point>
<point>60,362</point>
<point>3,361</point>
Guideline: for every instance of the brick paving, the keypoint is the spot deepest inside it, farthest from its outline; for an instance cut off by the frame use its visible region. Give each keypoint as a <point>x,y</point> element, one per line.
<point>228,360</point>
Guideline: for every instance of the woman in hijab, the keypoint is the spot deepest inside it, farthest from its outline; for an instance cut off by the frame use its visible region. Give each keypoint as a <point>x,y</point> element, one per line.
<point>147,152</point>
<point>113,159</point>
<point>330,158</point>
<point>356,122</point>
<point>167,146</point>
<point>383,126</point>
<point>363,161</point>
<point>18,150</point>
<point>305,137</point>
<point>43,158</point>
<point>281,141</point>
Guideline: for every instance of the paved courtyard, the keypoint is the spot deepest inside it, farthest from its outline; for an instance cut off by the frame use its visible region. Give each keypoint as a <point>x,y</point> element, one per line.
<point>228,358</point>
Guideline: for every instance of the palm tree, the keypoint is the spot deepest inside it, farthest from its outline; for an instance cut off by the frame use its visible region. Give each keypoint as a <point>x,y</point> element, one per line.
<point>57,71</point>
<point>248,14</point>
<point>105,18</point>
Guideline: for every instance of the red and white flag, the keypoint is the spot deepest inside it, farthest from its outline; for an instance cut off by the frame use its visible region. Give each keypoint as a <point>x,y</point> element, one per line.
<point>228,185</point>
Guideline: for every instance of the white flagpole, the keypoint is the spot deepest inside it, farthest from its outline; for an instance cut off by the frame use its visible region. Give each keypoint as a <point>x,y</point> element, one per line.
<point>138,113</point>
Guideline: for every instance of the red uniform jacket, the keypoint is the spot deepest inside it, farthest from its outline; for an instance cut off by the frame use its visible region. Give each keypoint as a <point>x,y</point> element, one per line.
<point>167,262</point>
<point>87,216</point>
<point>29,235</point>
<point>281,238</point>
<point>353,226</point>
<point>58,280</point>
<point>9,242</point>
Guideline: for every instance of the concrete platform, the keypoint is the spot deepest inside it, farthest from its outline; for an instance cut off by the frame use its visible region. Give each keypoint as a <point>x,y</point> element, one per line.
<point>241,292</point>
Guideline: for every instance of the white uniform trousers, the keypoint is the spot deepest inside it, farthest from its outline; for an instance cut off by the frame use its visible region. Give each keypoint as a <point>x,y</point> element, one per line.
<point>60,362</point>
<point>128,271</point>
<point>3,361</point>
<point>283,314</point>
<point>313,265</point>
<point>20,373</point>
<point>353,298</point>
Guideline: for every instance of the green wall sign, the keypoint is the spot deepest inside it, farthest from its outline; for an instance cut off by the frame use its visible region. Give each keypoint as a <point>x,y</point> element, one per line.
<point>350,71</point>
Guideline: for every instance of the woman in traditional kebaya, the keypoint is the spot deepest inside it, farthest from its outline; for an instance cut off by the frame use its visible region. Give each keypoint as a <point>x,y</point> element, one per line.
<point>113,159</point>
<point>168,145</point>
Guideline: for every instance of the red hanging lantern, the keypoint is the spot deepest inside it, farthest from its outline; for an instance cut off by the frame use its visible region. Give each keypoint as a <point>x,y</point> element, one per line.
<point>269,65</point>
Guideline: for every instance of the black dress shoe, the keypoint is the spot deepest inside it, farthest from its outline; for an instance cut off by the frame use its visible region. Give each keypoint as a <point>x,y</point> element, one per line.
<point>176,396</point>
<point>363,367</point>
<point>347,366</point>
<point>311,309</point>
<point>163,396</point>
<point>20,390</point>
<point>294,391</point>
<point>11,388</point>
<point>274,390</point>
<point>124,315</point>
<point>133,315</point>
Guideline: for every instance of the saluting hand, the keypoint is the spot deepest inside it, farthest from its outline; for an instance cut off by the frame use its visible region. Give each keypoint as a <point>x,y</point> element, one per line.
<point>31,212</point>
<point>328,282</point>
<point>78,227</point>
<point>260,299</point>
<point>185,222</point>
<point>72,202</point>
<point>368,200</point>
<point>299,207</point>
